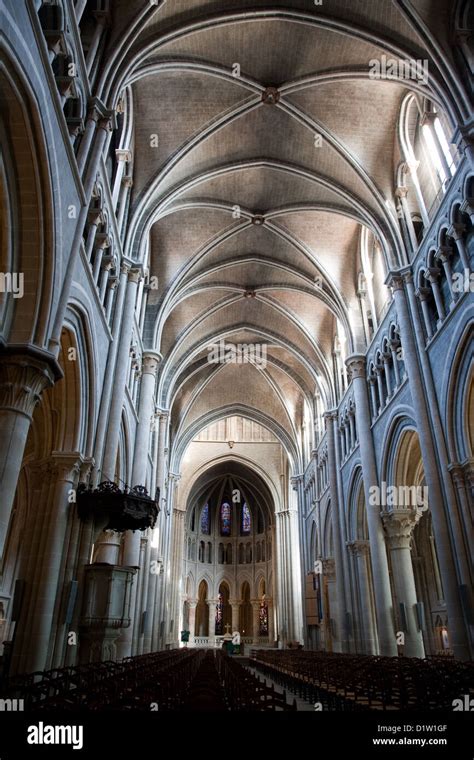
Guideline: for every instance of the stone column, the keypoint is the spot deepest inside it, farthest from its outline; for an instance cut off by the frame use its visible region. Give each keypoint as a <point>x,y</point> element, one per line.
<point>106,122</point>
<point>101,243</point>
<point>23,379</point>
<point>360,550</point>
<point>399,524</point>
<point>212,620</point>
<point>120,378</point>
<point>109,298</point>
<point>177,567</point>
<point>123,157</point>
<point>402,192</point>
<point>378,553</point>
<point>102,19</point>
<point>158,600</point>
<point>95,217</point>
<point>456,232</point>
<point>347,621</point>
<point>443,253</point>
<point>127,184</point>
<point>460,478</point>
<point>66,470</point>
<point>235,615</point>
<point>291,569</point>
<point>271,621</point>
<point>192,619</point>
<point>339,611</point>
<point>150,362</point>
<point>452,558</point>
<point>255,620</point>
<point>329,573</point>
<point>433,274</point>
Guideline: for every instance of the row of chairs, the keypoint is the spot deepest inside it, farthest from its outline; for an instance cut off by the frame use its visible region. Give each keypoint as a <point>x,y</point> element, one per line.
<point>160,679</point>
<point>363,682</point>
<point>246,692</point>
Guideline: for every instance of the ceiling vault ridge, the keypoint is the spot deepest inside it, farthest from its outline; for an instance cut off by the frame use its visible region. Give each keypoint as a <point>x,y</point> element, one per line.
<point>200,364</point>
<point>110,90</point>
<point>170,370</point>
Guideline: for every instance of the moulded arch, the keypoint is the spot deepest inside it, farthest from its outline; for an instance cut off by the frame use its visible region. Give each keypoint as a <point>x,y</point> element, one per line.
<point>29,244</point>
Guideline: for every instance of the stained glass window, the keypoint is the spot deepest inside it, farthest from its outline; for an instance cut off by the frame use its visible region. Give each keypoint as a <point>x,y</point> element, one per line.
<point>246,519</point>
<point>225,519</point>
<point>219,616</point>
<point>263,618</point>
<point>205,527</point>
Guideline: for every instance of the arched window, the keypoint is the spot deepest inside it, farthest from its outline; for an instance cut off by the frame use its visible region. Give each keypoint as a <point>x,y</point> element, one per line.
<point>228,554</point>
<point>205,524</point>
<point>246,519</point>
<point>225,519</point>
<point>201,551</point>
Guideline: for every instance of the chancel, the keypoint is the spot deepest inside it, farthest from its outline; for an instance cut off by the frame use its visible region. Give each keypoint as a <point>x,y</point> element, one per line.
<point>236,366</point>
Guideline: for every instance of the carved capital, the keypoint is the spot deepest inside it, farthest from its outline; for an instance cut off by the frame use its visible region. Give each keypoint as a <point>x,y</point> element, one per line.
<point>399,525</point>
<point>135,274</point>
<point>401,191</point>
<point>359,548</point>
<point>67,465</point>
<point>150,362</point>
<point>295,481</point>
<point>329,568</point>
<point>397,279</point>
<point>456,231</point>
<point>22,381</point>
<point>356,365</point>
<point>443,253</point>
<point>123,155</point>
<point>102,240</point>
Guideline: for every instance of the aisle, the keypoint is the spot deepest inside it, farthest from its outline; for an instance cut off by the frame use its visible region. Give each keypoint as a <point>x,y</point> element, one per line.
<point>301,704</point>
<point>206,693</point>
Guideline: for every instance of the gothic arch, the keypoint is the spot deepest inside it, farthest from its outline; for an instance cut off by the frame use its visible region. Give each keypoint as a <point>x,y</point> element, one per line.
<point>28,246</point>
<point>459,385</point>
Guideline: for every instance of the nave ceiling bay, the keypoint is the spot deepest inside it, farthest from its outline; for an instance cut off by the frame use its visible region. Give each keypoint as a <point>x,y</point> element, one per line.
<point>251,205</point>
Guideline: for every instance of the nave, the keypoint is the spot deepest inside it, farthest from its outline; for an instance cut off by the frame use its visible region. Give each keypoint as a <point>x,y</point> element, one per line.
<point>205,680</point>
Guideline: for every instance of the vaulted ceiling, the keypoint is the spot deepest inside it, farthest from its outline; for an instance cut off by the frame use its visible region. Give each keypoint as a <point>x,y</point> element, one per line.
<point>249,194</point>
